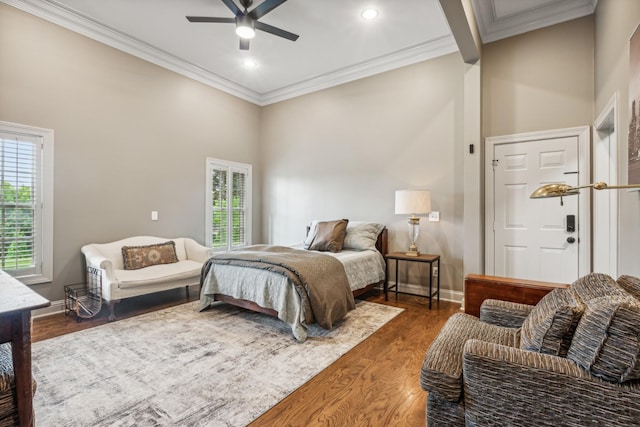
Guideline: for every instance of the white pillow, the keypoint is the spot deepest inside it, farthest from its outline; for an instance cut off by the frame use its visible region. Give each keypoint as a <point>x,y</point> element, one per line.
<point>361,235</point>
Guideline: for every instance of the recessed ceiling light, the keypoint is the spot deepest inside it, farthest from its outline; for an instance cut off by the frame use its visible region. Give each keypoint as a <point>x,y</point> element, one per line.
<point>369,13</point>
<point>250,63</point>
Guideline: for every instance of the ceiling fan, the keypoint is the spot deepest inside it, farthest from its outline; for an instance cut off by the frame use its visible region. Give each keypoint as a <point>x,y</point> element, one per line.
<point>247,22</point>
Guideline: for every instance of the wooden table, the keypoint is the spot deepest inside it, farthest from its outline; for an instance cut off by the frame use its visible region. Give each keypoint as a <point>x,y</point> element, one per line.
<point>16,303</point>
<point>478,287</point>
<point>402,256</point>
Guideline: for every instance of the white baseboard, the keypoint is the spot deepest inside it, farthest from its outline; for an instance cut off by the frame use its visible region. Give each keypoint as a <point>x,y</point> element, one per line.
<point>445,294</point>
<point>55,308</point>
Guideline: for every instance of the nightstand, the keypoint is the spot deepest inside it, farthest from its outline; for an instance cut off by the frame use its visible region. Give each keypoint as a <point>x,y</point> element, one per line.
<point>423,258</point>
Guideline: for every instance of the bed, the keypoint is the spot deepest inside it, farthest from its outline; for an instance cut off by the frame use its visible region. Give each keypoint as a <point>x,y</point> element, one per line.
<point>269,290</point>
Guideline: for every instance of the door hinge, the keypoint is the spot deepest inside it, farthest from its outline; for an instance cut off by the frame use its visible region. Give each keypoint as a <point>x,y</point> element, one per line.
<point>494,163</point>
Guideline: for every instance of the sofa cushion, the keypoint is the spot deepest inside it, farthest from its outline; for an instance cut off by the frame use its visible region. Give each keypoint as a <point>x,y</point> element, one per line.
<point>606,341</point>
<point>158,274</point>
<point>595,285</point>
<point>630,284</point>
<point>504,313</point>
<point>441,370</point>
<point>135,257</point>
<point>550,325</point>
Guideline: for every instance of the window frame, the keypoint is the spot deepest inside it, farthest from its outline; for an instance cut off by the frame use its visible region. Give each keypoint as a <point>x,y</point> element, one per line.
<point>44,226</point>
<point>230,167</point>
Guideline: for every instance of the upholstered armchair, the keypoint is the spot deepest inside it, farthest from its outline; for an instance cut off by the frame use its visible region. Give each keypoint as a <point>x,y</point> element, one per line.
<point>8,402</point>
<point>571,360</point>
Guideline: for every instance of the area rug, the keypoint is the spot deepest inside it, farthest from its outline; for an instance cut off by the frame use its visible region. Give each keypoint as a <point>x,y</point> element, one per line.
<point>221,367</point>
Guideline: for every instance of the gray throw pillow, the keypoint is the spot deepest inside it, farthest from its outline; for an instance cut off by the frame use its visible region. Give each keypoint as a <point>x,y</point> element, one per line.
<point>550,325</point>
<point>606,342</point>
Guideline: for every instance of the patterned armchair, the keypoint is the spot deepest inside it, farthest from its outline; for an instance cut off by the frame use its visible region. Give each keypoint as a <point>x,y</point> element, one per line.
<point>8,403</point>
<point>571,360</point>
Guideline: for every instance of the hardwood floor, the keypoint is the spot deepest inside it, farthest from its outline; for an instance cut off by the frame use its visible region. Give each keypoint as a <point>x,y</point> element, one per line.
<point>374,384</point>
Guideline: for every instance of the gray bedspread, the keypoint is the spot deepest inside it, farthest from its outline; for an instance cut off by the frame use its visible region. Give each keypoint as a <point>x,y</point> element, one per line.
<point>319,279</point>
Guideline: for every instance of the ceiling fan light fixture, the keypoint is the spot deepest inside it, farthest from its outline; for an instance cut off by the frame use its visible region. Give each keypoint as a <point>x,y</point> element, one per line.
<point>245,27</point>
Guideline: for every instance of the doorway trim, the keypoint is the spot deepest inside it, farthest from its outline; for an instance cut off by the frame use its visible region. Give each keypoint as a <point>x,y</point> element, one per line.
<point>605,130</point>
<point>582,133</point>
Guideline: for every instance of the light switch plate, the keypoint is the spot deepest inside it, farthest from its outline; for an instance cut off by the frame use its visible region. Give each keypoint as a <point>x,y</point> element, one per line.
<point>154,215</point>
<point>434,216</point>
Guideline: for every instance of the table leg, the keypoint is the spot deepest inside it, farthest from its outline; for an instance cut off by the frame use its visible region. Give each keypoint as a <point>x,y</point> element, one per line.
<point>21,352</point>
<point>430,284</point>
<point>386,281</point>
<point>439,271</point>
<point>396,280</point>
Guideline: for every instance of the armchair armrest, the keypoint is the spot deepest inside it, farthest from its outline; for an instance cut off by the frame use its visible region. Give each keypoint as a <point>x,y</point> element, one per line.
<point>197,252</point>
<point>504,313</point>
<point>510,386</point>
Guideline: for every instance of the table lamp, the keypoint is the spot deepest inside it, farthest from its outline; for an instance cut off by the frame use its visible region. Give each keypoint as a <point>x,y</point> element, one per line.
<point>414,203</point>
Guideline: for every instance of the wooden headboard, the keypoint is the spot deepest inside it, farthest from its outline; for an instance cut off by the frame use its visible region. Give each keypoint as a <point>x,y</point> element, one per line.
<point>382,244</point>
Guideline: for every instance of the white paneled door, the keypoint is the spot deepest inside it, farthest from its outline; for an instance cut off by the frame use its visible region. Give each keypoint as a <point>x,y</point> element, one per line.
<point>536,239</point>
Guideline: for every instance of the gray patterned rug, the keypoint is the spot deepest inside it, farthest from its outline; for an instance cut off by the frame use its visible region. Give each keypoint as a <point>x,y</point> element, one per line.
<point>221,367</point>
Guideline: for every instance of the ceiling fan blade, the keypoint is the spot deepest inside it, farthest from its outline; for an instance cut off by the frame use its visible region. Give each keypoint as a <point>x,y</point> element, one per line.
<point>276,31</point>
<point>234,8</point>
<point>210,19</point>
<point>264,8</point>
<point>244,44</point>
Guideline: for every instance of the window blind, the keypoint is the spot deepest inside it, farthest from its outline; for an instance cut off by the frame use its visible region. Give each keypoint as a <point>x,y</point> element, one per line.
<point>229,204</point>
<point>20,231</point>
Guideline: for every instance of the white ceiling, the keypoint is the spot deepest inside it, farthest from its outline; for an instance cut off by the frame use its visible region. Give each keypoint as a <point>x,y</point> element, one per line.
<point>335,46</point>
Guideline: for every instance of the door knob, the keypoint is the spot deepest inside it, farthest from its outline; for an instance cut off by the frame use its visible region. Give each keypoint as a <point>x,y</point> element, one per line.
<point>571,239</point>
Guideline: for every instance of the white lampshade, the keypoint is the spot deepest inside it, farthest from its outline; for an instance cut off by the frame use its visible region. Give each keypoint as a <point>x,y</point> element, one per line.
<point>413,202</point>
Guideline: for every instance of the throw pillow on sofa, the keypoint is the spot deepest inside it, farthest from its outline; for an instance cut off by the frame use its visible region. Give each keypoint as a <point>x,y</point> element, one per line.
<point>606,342</point>
<point>136,257</point>
<point>550,325</point>
<point>630,284</point>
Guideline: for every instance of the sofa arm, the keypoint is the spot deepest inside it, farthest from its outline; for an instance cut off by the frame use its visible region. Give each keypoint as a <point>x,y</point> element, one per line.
<point>95,259</point>
<point>196,252</point>
<point>510,386</point>
<point>441,370</point>
<point>504,313</point>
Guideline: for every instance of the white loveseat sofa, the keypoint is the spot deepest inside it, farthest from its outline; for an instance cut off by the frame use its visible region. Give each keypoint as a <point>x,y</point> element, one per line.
<point>118,283</point>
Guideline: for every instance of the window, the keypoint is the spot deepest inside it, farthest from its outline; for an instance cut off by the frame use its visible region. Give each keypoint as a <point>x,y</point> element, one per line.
<point>228,204</point>
<point>26,202</point>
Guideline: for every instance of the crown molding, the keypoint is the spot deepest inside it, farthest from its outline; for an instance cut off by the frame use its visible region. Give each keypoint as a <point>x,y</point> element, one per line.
<point>493,27</point>
<point>411,55</point>
<point>54,12</point>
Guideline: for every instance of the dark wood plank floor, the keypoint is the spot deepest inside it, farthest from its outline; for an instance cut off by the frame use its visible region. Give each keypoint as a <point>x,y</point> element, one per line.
<point>375,384</point>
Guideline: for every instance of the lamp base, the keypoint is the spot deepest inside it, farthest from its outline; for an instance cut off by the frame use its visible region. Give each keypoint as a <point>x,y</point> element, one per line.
<point>412,253</point>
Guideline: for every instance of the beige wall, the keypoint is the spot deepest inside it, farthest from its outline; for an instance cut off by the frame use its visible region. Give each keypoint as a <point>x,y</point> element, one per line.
<point>342,152</point>
<point>539,80</point>
<point>616,20</point>
<point>130,137</point>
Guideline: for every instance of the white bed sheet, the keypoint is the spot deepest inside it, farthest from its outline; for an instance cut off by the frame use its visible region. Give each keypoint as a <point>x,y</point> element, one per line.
<point>274,291</point>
